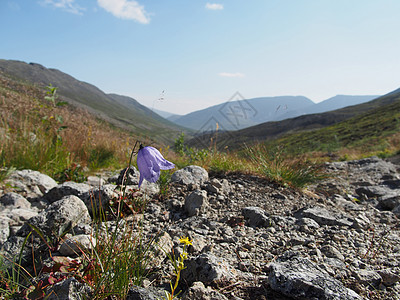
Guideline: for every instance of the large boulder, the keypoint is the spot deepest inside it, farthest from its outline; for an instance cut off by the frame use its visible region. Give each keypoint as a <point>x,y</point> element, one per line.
<point>208,269</point>
<point>66,189</point>
<point>300,278</point>
<point>31,183</point>
<point>14,200</point>
<point>193,175</point>
<point>58,217</point>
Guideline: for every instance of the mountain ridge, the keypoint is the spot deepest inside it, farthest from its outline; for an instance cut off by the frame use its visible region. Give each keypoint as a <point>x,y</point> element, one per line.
<point>240,114</point>
<point>275,129</point>
<point>121,111</point>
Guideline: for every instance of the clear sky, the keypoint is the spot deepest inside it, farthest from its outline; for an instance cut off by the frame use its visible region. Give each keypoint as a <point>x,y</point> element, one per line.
<point>195,53</point>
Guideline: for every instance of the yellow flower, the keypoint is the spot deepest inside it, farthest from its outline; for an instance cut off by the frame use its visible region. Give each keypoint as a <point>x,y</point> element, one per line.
<point>185,241</point>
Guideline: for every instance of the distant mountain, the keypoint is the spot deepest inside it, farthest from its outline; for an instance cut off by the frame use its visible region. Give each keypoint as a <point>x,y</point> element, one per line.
<point>241,113</point>
<point>333,103</point>
<point>166,115</point>
<point>121,111</point>
<point>272,130</point>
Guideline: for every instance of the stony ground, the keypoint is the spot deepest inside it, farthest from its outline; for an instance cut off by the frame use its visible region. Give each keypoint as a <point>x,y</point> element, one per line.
<point>252,239</point>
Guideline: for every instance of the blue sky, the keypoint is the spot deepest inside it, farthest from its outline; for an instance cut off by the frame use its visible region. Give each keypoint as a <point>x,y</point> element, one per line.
<point>201,52</point>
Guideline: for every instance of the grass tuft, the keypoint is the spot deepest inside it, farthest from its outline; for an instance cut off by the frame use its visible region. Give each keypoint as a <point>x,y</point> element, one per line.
<point>275,166</point>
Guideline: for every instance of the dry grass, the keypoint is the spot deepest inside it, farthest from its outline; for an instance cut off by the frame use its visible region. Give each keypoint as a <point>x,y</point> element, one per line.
<point>31,130</point>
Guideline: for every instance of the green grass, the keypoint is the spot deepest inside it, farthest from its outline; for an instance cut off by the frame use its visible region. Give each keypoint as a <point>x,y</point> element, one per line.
<point>42,135</point>
<point>368,134</point>
<point>275,166</point>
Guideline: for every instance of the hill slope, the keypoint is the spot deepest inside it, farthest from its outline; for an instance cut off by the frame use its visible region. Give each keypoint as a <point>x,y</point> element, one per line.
<point>268,131</point>
<point>121,111</point>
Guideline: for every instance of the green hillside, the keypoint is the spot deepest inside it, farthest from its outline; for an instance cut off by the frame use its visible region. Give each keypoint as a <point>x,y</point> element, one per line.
<point>128,114</point>
<point>376,131</point>
<point>370,123</point>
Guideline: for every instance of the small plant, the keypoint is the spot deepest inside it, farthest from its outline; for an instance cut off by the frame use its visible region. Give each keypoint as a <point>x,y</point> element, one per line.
<point>14,279</point>
<point>180,144</point>
<point>163,181</point>
<point>52,96</point>
<point>6,172</point>
<point>179,265</point>
<point>121,256</point>
<point>72,173</point>
<point>192,154</point>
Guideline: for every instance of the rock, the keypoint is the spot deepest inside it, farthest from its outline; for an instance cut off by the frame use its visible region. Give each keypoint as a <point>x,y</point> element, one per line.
<point>361,221</point>
<point>368,278</point>
<point>194,175</point>
<point>199,292</point>
<point>140,293</point>
<point>95,181</point>
<point>32,183</point>
<point>337,235</point>
<point>196,203</point>
<point>69,289</point>
<point>164,245</point>
<point>298,277</point>
<point>212,189</point>
<point>93,197</point>
<point>208,269</point>
<point>12,248</point>
<point>256,217</point>
<point>389,201</point>
<point>14,200</point>
<point>389,278</point>
<point>374,165</point>
<point>347,205</point>
<point>218,186</point>
<point>130,177</point>
<point>76,244</point>
<point>310,223</point>
<point>332,252</point>
<point>396,211</point>
<point>324,217</point>
<point>150,188</point>
<point>4,229</point>
<point>19,215</point>
<point>282,222</point>
<point>374,191</point>
<point>58,217</point>
<point>68,188</point>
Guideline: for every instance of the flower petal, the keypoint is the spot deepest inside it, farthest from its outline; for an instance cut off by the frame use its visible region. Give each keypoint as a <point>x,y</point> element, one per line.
<point>148,167</point>
<point>160,160</point>
<point>150,161</point>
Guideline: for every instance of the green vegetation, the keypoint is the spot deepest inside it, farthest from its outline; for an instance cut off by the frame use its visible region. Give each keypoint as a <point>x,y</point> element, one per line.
<point>120,111</point>
<point>375,132</point>
<point>39,132</point>
<point>179,265</point>
<point>276,166</point>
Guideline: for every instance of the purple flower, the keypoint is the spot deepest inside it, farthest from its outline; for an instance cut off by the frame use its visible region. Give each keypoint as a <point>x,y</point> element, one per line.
<point>150,162</point>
